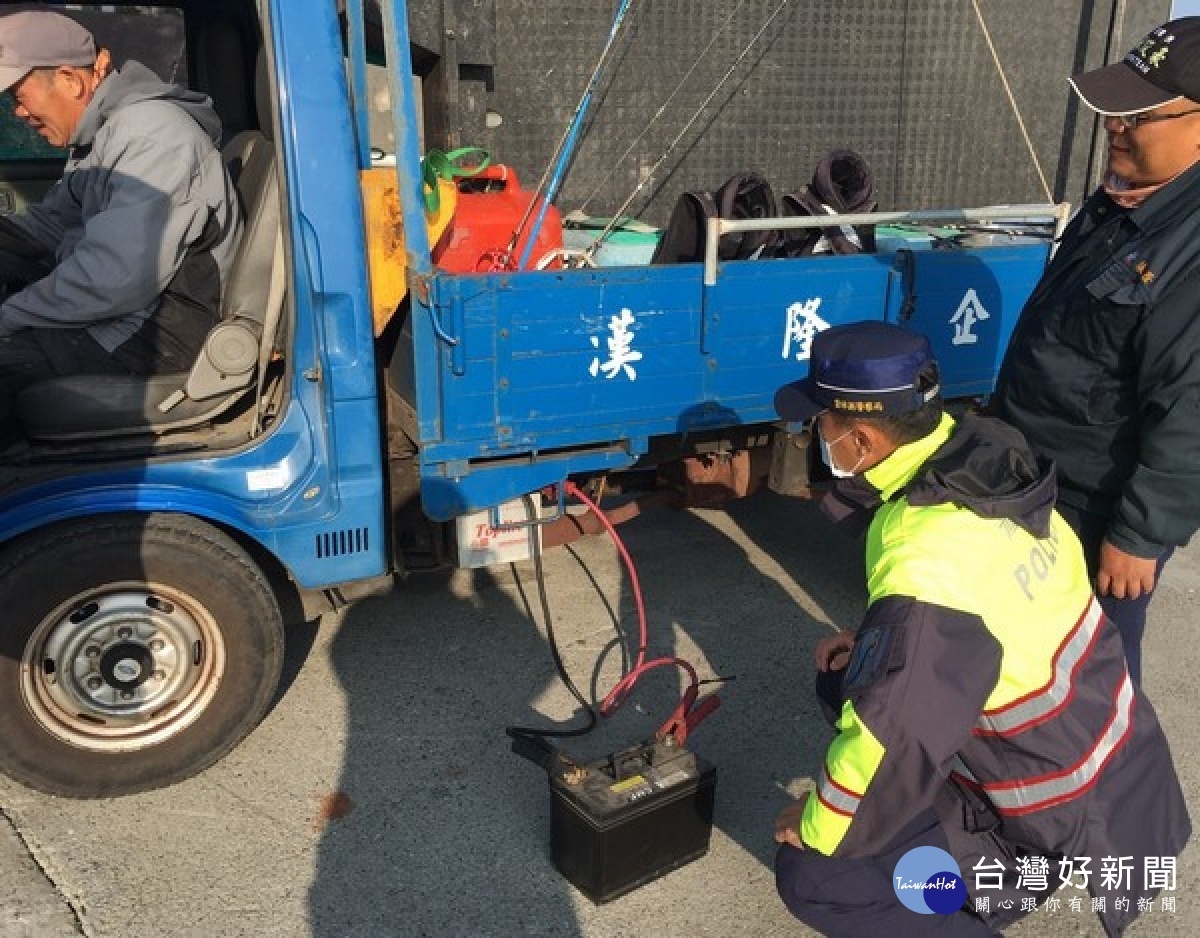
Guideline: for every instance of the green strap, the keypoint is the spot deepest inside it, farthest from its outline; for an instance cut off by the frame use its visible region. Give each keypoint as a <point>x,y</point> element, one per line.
<point>465,161</point>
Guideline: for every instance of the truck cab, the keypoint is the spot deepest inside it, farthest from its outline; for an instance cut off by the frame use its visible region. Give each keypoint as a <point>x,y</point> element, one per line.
<point>155,531</point>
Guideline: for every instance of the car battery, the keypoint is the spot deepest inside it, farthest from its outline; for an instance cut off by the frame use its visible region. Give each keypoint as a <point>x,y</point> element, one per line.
<point>624,820</point>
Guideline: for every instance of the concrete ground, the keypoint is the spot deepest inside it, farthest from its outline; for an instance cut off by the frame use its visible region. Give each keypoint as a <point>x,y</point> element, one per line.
<point>379,797</point>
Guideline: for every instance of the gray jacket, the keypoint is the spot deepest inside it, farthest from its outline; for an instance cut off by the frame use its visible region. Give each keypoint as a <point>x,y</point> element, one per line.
<point>144,221</point>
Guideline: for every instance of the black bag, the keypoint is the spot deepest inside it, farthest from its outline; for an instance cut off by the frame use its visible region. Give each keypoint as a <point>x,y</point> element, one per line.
<point>744,195</point>
<point>842,184</point>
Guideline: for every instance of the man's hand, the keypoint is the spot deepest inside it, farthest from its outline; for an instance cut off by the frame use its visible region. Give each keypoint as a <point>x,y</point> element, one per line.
<point>1123,575</point>
<point>833,653</point>
<point>787,824</point>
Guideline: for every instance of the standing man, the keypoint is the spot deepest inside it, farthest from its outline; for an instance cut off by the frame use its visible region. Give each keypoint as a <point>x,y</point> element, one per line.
<point>120,268</point>
<point>984,706</point>
<point>1103,371</point>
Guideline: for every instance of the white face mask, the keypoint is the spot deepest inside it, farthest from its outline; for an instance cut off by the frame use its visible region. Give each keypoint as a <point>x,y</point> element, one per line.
<point>827,458</point>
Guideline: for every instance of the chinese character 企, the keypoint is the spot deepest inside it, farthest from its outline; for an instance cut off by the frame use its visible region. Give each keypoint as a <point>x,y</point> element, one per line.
<point>1033,873</point>
<point>1067,872</point>
<point>1114,870</point>
<point>989,880</point>
<point>970,311</point>
<point>1160,873</point>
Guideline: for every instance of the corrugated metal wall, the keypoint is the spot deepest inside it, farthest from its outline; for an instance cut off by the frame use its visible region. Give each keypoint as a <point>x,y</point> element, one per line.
<point>910,84</point>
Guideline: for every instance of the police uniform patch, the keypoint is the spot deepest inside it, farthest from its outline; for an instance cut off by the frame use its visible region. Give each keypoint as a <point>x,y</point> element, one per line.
<point>877,652</point>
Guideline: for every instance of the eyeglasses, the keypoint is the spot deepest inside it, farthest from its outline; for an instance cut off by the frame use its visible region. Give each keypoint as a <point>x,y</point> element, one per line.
<point>1133,121</point>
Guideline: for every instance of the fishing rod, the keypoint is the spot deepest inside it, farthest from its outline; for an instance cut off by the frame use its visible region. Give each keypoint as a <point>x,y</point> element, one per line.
<point>663,107</point>
<point>566,146</point>
<point>588,257</point>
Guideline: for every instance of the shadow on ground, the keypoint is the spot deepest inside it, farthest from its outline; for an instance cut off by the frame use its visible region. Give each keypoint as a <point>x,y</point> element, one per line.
<point>447,833</point>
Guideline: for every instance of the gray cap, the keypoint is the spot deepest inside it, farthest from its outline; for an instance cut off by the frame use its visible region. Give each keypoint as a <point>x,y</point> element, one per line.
<point>35,39</point>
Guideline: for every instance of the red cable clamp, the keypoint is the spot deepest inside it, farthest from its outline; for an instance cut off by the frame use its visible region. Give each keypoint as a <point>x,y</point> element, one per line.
<point>687,716</point>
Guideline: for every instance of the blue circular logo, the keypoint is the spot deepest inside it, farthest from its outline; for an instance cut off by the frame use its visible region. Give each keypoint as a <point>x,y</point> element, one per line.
<point>928,880</point>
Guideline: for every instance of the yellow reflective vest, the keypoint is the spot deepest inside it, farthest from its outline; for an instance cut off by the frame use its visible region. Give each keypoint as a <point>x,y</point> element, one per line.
<point>985,658</point>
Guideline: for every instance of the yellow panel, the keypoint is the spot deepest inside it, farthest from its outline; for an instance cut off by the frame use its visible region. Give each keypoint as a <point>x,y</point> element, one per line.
<point>387,265</point>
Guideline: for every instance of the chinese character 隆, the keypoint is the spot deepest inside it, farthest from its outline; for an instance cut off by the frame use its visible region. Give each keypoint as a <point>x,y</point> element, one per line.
<point>803,324</point>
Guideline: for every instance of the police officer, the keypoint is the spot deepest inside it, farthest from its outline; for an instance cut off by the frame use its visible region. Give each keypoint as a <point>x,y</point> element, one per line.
<point>984,705</point>
<point>1103,371</point>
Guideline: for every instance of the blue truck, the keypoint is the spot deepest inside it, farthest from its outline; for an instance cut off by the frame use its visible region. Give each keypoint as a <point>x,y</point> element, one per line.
<point>156,534</point>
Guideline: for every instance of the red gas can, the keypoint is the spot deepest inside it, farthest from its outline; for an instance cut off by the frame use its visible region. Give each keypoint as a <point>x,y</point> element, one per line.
<point>490,206</point>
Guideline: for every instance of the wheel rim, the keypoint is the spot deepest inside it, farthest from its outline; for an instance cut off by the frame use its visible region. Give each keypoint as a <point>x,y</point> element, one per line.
<point>122,668</point>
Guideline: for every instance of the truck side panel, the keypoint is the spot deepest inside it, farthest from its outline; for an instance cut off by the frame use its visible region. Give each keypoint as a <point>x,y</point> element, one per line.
<point>595,362</point>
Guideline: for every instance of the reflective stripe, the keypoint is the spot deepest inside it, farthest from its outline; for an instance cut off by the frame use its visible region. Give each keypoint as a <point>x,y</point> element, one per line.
<point>1026,795</point>
<point>1040,705</point>
<point>836,797</point>
<point>958,767</point>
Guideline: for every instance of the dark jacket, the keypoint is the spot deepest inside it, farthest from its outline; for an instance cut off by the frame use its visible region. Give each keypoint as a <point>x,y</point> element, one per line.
<point>985,672</point>
<point>1103,371</point>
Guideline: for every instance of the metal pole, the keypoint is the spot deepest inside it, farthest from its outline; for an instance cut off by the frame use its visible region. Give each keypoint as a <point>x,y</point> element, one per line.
<point>720,226</point>
<point>408,140</point>
<point>564,156</point>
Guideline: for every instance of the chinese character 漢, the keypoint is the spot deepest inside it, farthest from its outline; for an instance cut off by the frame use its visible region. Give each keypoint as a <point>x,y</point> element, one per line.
<point>620,349</point>
<point>1067,872</point>
<point>1033,873</point>
<point>994,880</point>
<point>1160,873</point>
<point>1115,869</point>
<point>803,324</point>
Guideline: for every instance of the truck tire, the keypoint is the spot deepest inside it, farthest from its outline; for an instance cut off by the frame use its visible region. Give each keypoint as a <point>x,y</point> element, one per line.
<point>135,651</point>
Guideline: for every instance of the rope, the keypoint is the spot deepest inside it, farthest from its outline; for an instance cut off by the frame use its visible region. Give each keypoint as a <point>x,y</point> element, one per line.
<point>1012,100</point>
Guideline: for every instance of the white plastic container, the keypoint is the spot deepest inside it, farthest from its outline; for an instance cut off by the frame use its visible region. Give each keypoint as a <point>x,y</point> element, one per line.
<point>481,545</point>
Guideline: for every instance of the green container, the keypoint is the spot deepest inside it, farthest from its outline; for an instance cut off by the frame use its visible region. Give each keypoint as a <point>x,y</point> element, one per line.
<point>630,244</point>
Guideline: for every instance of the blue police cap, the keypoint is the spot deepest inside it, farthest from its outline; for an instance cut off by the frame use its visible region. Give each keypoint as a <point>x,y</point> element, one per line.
<point>864,369</point>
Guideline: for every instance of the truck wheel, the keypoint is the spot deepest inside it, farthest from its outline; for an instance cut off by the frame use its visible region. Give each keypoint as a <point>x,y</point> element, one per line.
<point>135,651</point>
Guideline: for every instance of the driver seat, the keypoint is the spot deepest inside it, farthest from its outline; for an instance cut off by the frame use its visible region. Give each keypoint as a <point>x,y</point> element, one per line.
<point>237,348</point>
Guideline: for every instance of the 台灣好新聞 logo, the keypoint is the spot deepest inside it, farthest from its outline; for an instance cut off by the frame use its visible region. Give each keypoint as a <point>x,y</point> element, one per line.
<point>928,880</point>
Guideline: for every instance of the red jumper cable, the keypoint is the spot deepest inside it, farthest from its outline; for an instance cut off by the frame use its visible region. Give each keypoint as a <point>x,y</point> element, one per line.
<point>690,711</point>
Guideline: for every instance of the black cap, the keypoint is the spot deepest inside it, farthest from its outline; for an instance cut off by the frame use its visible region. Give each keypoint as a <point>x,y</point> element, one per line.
<point>864,369</point>
<point>1163,67</point>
